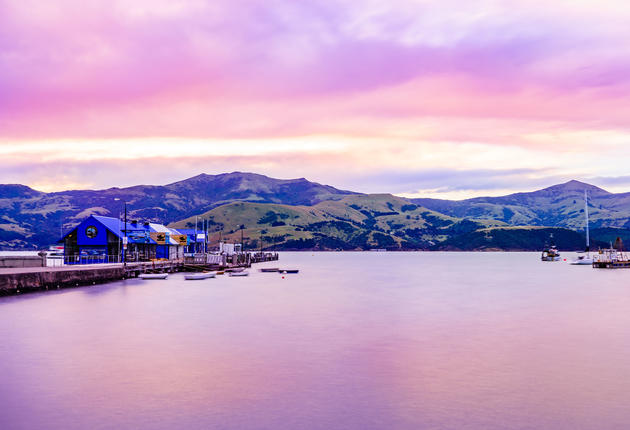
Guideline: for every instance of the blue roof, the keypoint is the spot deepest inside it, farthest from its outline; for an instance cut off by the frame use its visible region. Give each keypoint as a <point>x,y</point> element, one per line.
<point>136,232</point>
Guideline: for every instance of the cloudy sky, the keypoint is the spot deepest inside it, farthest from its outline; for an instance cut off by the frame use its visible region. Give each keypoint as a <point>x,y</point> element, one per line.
<point>443,98</point>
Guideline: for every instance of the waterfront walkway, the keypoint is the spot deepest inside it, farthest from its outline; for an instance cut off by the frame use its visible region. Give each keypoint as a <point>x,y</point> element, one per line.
<point>25,279</point>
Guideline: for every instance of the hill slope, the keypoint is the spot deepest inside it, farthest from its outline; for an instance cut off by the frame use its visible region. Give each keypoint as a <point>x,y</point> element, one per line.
<point>29,217</point>
<point>354,222</point>
<point>558,206</point>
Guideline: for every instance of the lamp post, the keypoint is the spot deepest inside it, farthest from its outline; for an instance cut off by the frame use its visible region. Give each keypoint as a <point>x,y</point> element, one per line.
<point>124,260</point>
<point>242,243</point>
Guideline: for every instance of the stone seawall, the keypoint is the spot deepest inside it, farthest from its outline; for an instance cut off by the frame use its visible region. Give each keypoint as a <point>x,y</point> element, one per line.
<point>16,281</point>
<point>22,261</point>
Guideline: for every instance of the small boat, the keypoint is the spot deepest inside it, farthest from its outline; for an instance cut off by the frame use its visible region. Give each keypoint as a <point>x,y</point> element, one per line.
<point>269,270</point>
<point>584,258</point>
<point>240,273</point>
<point>234,269</point>
<point>289,270</point>
<point>153,276</point>
<point>198,276</point>
<point>550,254</point>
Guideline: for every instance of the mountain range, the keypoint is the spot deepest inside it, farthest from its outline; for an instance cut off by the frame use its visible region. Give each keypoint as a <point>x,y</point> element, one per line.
<point>299,214</point>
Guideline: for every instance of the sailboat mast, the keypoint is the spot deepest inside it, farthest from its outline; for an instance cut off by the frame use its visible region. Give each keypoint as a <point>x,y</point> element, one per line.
<point>588,240</point>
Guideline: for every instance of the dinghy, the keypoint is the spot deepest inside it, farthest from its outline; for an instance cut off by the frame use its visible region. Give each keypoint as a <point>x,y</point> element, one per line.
<point>269,270</point>
<point>289,270</point>
<point>240,273</point>
<point>198,276</point>
<point>153,276</point>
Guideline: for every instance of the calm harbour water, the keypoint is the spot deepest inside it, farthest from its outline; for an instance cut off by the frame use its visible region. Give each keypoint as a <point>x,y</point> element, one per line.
<point>355,341</point>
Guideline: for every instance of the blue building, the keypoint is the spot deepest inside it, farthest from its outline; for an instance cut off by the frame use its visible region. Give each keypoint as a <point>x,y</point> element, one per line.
<point>100,239</point>
<point>197,240</point>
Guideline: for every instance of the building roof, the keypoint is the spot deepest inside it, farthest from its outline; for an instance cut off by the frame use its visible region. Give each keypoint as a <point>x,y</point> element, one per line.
<point>137,232</point>
<point>191,233</point>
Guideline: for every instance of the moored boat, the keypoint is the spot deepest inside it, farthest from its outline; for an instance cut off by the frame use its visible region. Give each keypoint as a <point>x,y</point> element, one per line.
<point>199,276</point>
<point>270,270</point>
<point>289,270</point>
<point>584,258</point>
<point>240,273</point>
<point>153,276</point>
<point>550,253</point>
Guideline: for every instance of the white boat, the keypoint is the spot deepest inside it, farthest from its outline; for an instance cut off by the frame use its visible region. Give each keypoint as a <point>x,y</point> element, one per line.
<point>198,276</point>
<point>584,258</point>
<point>153,276</point>
<point>550,253</point>
<point>241,273</point>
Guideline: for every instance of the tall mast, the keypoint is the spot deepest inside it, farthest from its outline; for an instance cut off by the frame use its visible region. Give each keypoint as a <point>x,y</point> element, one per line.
<point>588,244</point>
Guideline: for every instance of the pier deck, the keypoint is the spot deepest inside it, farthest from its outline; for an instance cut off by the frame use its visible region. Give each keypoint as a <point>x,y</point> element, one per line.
<point>27,279</point>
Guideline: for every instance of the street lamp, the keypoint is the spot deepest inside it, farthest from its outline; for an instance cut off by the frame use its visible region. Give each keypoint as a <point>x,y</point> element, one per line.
<point>124,234</point>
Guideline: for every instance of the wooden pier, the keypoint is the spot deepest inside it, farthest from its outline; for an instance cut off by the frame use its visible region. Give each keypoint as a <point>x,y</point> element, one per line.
<point>611,259</point>
<point>28,279</point>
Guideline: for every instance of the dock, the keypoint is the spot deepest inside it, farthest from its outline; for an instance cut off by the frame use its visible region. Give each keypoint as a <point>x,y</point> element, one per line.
<point>20,280</point>
<point>611,259</point>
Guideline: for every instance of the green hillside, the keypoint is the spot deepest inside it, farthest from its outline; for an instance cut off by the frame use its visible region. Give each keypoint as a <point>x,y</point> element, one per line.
<point>354,222</point>
<point>558,206</point>
<point>517,239</point>
<point>32,218</point>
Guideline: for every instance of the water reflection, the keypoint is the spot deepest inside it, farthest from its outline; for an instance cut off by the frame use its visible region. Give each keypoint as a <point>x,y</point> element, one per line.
<point>361,341</point>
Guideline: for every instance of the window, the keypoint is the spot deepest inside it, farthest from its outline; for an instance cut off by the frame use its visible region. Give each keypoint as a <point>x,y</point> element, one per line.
<point>91,232</point>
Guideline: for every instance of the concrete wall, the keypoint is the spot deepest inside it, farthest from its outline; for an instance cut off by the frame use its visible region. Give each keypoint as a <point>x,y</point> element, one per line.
<point>22,261</point>
<point>11,283</point>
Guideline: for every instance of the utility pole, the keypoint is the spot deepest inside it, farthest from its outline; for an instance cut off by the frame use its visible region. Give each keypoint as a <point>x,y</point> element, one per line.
<point>125,239</point>
<point>124,244</point>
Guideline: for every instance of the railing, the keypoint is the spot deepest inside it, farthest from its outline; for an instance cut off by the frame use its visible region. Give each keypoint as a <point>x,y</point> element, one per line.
<point>259,257</point>
<point>92,259</point>
<point>610,256</point>
<point>235,259</point>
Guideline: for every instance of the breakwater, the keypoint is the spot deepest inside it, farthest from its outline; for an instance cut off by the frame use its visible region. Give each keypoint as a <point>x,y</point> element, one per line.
<point>28,279</point>
<point>22,280</point>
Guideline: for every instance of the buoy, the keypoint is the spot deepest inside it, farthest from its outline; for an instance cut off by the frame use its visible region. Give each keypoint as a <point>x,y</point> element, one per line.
<point>283,277</point>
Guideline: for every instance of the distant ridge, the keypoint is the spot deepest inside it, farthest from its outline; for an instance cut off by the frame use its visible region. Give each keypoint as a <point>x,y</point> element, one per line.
<point>301,214</point>
<point>560,205</point>
<point>29,217</point>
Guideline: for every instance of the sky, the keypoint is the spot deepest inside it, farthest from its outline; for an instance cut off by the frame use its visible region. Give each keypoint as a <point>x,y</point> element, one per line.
<point>446,99</point>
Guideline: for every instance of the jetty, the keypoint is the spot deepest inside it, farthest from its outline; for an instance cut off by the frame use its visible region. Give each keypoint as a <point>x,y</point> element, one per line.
<point>17,280</point>
<point>611,259</point>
